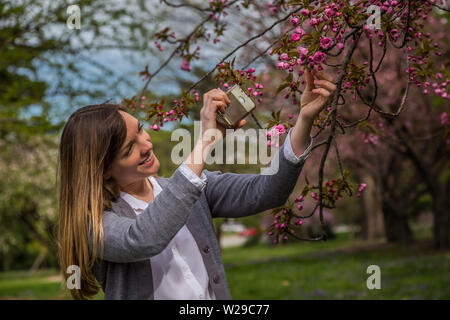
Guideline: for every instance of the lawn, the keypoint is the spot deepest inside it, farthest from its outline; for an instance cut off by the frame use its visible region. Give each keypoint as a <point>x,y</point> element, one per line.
<point>338,270</point>
<point>326,270</point>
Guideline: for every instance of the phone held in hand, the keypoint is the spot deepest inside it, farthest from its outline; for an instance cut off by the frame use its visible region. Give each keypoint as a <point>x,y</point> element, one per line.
<point>240,107</point>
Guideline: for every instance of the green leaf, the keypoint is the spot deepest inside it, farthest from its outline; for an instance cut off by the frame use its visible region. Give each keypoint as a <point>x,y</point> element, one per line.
<point>276,50</point>
<point>306,39</point>
<point>290,77</point>
<point>293,52</point>
<point>281,87</point>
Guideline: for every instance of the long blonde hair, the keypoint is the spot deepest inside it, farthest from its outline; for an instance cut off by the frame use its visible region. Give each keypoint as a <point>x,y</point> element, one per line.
<point>90,140</point>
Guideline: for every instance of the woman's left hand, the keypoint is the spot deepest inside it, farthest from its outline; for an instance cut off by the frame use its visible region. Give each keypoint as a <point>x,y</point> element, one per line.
<point>317,94</point>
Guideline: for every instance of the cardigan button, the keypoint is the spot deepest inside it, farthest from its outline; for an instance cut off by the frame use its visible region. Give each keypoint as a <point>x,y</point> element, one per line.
<point>206,249</point>
<point>216,279</point>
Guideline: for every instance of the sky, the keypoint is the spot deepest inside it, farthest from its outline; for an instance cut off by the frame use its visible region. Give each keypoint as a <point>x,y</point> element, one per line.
<point>129,64</point>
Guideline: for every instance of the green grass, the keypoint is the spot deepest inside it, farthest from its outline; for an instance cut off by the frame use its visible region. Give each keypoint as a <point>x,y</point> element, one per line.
<point>319,270</point>
<point>337,270</point>
<point>43,284</point>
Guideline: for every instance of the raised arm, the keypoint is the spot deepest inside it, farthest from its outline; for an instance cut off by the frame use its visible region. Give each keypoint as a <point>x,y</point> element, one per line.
<point>235,195</point>
<point>129,240</point>
<point>239,195</point>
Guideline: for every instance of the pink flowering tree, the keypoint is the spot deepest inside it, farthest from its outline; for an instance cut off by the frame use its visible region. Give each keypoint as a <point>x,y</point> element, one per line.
<point>406,155</point>
<point>336,35</point>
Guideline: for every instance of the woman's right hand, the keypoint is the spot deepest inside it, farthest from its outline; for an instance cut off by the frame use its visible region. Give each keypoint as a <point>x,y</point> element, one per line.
<point>214,100</point>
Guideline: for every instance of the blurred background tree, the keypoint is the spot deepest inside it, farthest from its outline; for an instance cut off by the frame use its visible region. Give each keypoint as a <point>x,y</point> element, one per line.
<point>45,70</point>
<point>48,70</point>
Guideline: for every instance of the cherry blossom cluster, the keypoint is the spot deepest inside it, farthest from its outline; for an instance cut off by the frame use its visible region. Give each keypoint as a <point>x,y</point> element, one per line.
<point>162,36</point>
<point>156,112</point>
<point>284,224</point>
<point>273,132</point>
<point>285,218</point>
<point>319,34</point>
<point>361,187</point>
<point>187,57</point>
<point>333,190</point>
<point>159,46</point>
<point>372,130</point>
<point>227,78</point>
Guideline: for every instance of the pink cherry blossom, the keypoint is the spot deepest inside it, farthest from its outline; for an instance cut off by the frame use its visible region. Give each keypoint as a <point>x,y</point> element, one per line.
<point>280,128</point>
<point>304,12</point>
<point>444,119</point>
<point>319,57</point>
<point>284,56</point>
<point>303,51</point>
<point>329,12</point>
<point>326,42</point>
<point>282,65</point>
<point>295,21</point>
<point>314,22</point>
<point>300,31</point>
<point>185,65</point>
<point>301,60</point>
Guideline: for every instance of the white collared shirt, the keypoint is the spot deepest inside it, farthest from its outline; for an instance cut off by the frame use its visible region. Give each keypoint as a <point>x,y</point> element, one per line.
<point>289,153</point>
<point>178,271</point>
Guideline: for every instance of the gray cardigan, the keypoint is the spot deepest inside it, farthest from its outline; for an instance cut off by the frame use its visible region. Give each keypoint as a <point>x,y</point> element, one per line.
<point>130,240</point>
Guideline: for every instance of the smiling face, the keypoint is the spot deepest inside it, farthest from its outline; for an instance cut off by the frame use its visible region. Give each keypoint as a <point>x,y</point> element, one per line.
<point>135,159</point>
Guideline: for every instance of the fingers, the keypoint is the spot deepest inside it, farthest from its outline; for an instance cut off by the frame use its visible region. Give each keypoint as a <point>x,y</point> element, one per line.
<point>216,94</point>
<point>330,86</point>
<point>322,91</point>
<point>324,84</point>
<point>217,98</point>
<point>219,102</point>
<point>322,75</point>
<point>224,96</point>
<point>219,105</point>
<point>242,123</point>
<point>309,80</point>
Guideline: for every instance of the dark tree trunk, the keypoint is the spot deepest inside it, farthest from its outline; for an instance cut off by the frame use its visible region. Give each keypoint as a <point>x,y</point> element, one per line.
<point>441,225</point>
<point>396,225</point>
<point>372,224</point>
<point>438,191</point>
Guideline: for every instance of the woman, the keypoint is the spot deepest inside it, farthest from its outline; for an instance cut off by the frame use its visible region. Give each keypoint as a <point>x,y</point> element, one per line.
<point>141,236</point>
